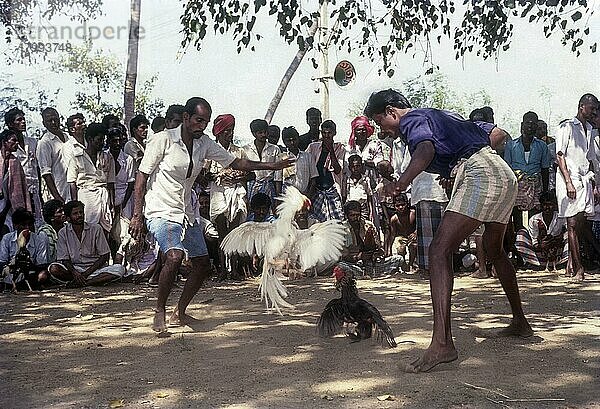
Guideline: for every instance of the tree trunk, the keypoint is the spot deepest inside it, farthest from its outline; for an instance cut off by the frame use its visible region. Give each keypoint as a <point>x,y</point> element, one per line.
<point>288,76</point>
<point>132,61</point>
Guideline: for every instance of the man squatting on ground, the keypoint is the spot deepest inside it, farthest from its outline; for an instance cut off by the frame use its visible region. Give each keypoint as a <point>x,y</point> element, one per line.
<point>172,161</point>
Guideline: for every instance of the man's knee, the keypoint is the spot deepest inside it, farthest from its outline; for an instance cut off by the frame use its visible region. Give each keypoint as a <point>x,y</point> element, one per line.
<point>439,251</point>
<point>174,256</point>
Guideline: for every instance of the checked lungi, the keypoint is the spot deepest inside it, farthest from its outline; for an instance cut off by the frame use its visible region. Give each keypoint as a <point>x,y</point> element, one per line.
<point>327,204</point>
<point>485,188</point>
<point>524,245</point>
<point>429,216</point>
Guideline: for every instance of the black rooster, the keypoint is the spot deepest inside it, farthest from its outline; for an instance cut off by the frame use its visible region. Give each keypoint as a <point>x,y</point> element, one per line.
<point>351,309</point>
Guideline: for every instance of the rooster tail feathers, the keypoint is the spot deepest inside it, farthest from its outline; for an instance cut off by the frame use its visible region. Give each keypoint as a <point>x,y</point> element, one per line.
<point>385,336</point>
<point>272,291</point>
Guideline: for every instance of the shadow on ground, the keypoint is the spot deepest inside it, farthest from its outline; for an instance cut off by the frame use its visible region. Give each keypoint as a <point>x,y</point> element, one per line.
<point>93,348</point>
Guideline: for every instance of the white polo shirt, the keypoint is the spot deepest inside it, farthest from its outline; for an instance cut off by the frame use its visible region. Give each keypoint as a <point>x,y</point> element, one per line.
<point>270,153</point>
<point>52,162</point>
<point>166,161</point>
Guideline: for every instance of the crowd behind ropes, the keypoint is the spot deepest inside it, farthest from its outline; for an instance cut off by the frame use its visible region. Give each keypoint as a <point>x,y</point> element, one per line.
<point>67,199</point>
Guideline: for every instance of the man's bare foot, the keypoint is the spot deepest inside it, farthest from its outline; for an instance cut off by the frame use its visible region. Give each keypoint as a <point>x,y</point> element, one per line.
<point>182,320</point>
<point>516,329</point>
<point>159,324</point>
<point>431,358</point>
<point>579,275</point>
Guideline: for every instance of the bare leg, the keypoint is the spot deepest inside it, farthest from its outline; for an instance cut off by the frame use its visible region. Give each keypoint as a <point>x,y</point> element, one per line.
<point>453,229</point>
<point>482,270</point>
<point>200,271</point>
<point>173,259</point>
<point>574,256</point>
<point>492,240</point>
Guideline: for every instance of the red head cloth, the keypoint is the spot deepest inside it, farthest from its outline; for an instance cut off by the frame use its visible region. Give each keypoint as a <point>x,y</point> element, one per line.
<point>357,122</point>
<point>222,122</point>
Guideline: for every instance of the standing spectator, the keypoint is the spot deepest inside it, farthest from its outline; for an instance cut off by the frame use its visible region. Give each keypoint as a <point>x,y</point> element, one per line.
<point>136,145</point>
<point>357,186</point>
<point>54,218</point>
<point>261,150</point>
<point>158,124</point>
<point>273,134</point>
<point>542,134</point>
<point>313,120</point>
<point>484,192</point>
<point>76,142</point>
<point>227,189</point>
<point>14,192</point>
<point>361,132</point>
<point>124,173</point>
<point>574,152</point>
<point>82,251</point>
<point>174,116</point>
<point>300,175</point>
<point>91,175</point>
<point>53,167</point>
<point>166,176</point>
<point>26,153</point>
<point>528,157</point>
<point>329,158</point>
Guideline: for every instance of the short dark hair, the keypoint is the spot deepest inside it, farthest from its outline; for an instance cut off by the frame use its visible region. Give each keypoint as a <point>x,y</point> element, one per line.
<point>258,125</point>
<point>548,197</point>
<point>260,200</point>
<point>157,123</point>
<point>329,124</point>
<point>530,115</point>
<point>112,132</point>
<point>73,204</point>
<point>379,100</point>
<point>351,205</point>
<point>173,110</point>
<point>488,113</point>
<point>289,131</point>
<point>5,134</point>
<point>94,129</point>
<point>354,157</point>
<point>46,110</point>
<point>71,119</point>
<point>587,98</point>
<point>313,111</point>
<point>22,216</point>
<point>49,209</point>
<point>274,128</point>
<point>137,121</point>
<point>108,118</point>
<point>192,103</point>
<point>11,115</point>
<point>477,115</point>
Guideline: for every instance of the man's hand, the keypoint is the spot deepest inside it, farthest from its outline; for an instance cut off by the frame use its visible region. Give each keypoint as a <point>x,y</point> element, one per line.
<point>78,278</point>
<point>136,227</point>
<point>284,163</point>
<point>571,192</point>
<point>394,188</point>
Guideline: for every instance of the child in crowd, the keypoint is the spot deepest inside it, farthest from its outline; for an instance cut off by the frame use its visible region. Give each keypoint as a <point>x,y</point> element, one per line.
<point>357,186</point>
<point>402,233</point>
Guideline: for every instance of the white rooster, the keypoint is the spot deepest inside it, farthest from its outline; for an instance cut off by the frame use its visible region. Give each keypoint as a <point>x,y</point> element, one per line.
<point>281,242</point>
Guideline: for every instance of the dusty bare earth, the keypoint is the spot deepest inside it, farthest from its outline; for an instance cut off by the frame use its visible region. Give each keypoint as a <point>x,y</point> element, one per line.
<point>93,348</point>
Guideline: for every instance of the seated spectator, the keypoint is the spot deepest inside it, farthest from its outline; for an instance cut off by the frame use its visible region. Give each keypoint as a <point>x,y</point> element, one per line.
<point>357,186</point>
<point>544,242</point>
<point>211,235</point>
<point>402,237</point>
<point>23,259</point>
<point>260,209</point>
<point>82,252</point>
<point>54,220</point>
<point>362,242</point>
<point>140,259</point>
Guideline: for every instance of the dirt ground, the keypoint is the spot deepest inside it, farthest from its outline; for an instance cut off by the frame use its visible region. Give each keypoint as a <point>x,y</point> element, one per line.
<point>93,348</point>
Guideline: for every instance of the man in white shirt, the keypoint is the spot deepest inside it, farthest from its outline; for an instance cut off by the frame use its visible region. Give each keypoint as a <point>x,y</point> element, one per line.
<point>26,153</point>
<point>53,168</point>
<point>302,174</point>
<point>172,161</point>
<point>261,150</point>
<point>574,153</point>
<point>76,143</point>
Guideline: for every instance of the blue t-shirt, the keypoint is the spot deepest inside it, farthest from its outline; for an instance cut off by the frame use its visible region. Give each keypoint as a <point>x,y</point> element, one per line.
<point>453,138</point>
<point>539,156</point>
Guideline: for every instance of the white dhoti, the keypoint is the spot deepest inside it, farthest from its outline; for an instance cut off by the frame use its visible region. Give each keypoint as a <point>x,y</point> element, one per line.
<point>228,200</point>
<point>584,196</point>
<point>96,205</point>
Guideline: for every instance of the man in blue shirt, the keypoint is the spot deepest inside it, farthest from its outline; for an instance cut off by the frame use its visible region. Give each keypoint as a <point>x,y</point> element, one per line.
<point>484,192</point>
<point>529,158</point>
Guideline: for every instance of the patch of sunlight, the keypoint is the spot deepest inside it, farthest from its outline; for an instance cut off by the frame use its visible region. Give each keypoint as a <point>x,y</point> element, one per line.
<point>412,314</point>
<point>119,297</point>
<point>361,384</point>
<point>473,362</point>
<point>240,406</point>
<point>164,396</point>
<point>240,325</point>
<point>299,323</point>
<point>224,345</point>
<point>569,378</point>
<point>290,359</point>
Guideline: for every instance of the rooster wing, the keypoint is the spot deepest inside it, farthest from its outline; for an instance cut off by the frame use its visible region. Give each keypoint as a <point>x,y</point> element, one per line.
<point>250,238</point>
<point>364,310</point>
<point>321,243</point>
<point>331,321</point>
